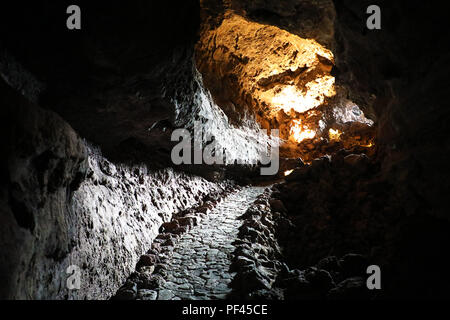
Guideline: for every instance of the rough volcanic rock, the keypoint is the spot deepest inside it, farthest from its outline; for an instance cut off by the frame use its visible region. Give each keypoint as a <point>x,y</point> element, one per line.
<point>309,19</point>
<point>396,76</point>
<point>124,208</point>
<point>42,164</point>
<point>115,79</point>
<point>341,206</point>
<point>62,202</point>
<point>257,256</point>
<point>245,64</point>
<point>125,87</point>
<point>260,63</point>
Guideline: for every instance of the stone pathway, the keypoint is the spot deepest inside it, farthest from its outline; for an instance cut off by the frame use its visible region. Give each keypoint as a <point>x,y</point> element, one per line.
<point>198,267</point>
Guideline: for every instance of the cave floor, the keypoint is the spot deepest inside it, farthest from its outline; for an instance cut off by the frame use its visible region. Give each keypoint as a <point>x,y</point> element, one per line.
<point>199,267</point>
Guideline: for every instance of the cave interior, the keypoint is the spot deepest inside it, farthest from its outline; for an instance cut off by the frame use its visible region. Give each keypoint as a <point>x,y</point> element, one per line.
<point>358,117</point>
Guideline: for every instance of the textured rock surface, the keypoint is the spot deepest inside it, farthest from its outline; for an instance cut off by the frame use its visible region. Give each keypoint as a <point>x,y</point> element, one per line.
<point>256,259</point>
<point>120,209</point>
<point>309,19</point>
<point>42,159</point>
<point>245,64</point>
<point>344,205</point>
<point>125,87</point>
<point>384,206</point>
<point>117,77</point>
<point>62,202</point>
<point>244,144</point>
<point>264,70</point>
<point>194,263</point>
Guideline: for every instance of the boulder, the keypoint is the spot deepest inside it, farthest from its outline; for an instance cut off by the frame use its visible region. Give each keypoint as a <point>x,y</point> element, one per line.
<point>147,260</point>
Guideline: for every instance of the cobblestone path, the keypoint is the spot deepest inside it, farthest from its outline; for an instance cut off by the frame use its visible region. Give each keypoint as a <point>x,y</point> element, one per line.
<point>199,265</point>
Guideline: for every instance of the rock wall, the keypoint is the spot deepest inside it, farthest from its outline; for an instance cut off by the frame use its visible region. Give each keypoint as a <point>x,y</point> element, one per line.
<point>120,210</point>
<point>390,206</point>
<point>396,75</point>
<point>243,144</point>
<point>126,86</point>
<point>123,87</point>
<point>261,63</point>
<point>64,204</point>
<point>40,165</point>
<point>113,80</point>
<point>245,64</point>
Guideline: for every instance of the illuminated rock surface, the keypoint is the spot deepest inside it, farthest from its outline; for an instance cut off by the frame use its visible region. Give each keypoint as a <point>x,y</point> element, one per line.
<point>369,122</point>
<point>258,71</point>
<point>264,68</point>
